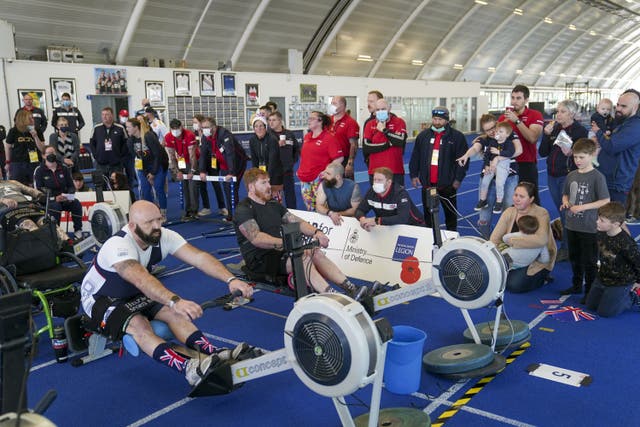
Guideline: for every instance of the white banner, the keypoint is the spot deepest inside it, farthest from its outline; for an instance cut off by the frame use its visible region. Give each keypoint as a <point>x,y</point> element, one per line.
<point>395,253</point>
<point>88,199</point>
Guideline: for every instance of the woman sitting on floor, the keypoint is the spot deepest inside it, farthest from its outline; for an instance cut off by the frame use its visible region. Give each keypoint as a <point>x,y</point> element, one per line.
<point>532,277</point>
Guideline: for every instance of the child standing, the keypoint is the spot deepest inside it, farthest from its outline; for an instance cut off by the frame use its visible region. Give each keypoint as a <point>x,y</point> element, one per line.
<point>585,190</point>
<point>523,257</point>
<point>619,274</point>
<point>498,163</point>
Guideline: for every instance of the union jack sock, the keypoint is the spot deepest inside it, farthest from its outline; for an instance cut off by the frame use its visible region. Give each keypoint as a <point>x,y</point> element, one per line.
<point>167,356</point>
<point>199,342</point>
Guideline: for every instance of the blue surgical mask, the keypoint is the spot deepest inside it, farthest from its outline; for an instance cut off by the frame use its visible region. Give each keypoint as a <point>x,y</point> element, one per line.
<point>382,115</point>
<point>66,103</point>
<point>332,109</point>
<point>435,129</point>
<point>65,129</point>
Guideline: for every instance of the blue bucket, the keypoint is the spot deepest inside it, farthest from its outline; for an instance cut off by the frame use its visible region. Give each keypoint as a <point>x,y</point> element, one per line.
<point>403,365</point>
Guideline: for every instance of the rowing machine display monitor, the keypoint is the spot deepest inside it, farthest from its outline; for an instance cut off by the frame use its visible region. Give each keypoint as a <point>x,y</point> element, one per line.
<point>434,213</point>
<point>294,245</point>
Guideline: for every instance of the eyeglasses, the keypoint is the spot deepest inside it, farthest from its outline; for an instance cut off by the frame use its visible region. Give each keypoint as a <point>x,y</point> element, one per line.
<point>490,129</point>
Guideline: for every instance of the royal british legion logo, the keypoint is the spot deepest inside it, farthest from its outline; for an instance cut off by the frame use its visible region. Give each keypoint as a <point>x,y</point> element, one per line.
<point>405,246</point>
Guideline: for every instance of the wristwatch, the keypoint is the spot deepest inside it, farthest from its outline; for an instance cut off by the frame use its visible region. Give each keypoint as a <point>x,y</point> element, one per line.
<point>174,299</point>
<point>517,122</point>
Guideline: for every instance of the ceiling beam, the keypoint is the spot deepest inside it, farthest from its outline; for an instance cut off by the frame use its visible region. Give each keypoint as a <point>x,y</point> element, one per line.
<point>522,39</point>
<point>130,30</point>
<point>446,38</point>
<point>328,38</point>
<point>396,36</point>
<point>627,67</point>
<point>546,45</point>
<point>195,30</point>
<point>612,55</point>
<point>486,41</point>
<point>248,30</point>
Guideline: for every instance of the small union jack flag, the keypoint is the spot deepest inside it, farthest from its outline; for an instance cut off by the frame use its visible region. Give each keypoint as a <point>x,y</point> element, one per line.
<point>205,345</point>
<point>568,313</point>
<point>173,360</point>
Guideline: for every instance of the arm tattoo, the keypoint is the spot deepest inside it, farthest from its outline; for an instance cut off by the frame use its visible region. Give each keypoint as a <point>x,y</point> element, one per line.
<point>123,266</point>
<point>250,229</point>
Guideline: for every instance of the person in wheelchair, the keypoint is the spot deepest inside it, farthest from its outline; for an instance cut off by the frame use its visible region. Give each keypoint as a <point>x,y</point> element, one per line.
<point>258,219</point>
<point>120,295</point>
<point>55,177</point>
<point>14,193</point>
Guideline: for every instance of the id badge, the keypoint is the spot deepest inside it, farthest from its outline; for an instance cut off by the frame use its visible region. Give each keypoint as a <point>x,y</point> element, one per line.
<point>263,168</point>
<point>138,164</point>
<point>108,146</point>
<point>434,157</point>
<point>214,163</point>
<point>433,140</point>
<point>181,163</point>
<point>33,156</point>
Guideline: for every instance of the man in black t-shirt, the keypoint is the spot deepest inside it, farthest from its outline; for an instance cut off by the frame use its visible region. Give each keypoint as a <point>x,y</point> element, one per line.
<point>258,219</point>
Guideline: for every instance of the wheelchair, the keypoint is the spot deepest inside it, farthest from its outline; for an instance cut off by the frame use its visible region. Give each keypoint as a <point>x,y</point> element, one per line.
<point>34,261</point>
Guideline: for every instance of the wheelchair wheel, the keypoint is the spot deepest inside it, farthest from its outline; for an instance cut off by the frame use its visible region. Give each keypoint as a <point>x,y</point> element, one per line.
<point>7,282</point>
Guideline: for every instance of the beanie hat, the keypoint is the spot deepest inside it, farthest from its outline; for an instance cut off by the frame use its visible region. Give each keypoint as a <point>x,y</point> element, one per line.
<point>441,112</point>
<point>261,118</point>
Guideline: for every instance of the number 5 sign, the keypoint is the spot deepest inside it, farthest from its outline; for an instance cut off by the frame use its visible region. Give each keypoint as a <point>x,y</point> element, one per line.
<point>560,375</point>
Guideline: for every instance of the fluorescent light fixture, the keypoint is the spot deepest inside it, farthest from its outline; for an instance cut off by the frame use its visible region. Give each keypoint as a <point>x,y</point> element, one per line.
<point>366,58</point>
<point>563,75</point>
<point>518,11</point>
<point>542,73</point>
<point>491,69</point>
<point>593,33</point>
<point>579,76</point>
<point>518,71</point>
<point>458,67</point>
<point>483,3</point>
<point>548,20</point>
<point>572,27</point>
<point>417,62</point>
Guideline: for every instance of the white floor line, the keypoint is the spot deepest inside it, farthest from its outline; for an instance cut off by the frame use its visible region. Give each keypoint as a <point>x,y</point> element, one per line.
<point>161,412</point>
<point>475,411</point>
<point>541,316</point>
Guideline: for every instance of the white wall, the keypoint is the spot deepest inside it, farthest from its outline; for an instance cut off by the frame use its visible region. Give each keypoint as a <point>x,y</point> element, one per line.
<point>36,74</point>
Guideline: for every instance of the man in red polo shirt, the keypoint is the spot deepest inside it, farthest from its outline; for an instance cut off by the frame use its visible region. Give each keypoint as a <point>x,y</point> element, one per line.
<point>384,141</point>
<point>182,149</point>
<point>528,124</point>
<point>347,132</point>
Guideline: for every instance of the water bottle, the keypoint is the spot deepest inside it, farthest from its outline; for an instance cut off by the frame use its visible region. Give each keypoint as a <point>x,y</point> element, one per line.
<point>60,344</point>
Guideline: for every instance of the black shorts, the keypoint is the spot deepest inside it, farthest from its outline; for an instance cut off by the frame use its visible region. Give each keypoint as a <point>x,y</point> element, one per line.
<point>112,315</point>
<point>270,267</point>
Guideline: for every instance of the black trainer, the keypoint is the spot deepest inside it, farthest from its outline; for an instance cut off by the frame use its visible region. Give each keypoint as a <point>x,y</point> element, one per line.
<point>481,205</point>
<point>497,207</point>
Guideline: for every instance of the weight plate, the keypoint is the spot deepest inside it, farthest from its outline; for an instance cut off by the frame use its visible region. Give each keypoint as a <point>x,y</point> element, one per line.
<point>497,365</point>
<point>457,358</point>
<point>397,417</point>
<point>517,330</point>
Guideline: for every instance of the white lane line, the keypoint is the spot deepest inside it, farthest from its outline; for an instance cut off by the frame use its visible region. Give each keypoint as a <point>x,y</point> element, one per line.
<point>541,316</point>
<point>444,397</point>
<point>476,411</point>
<point>161,412</point>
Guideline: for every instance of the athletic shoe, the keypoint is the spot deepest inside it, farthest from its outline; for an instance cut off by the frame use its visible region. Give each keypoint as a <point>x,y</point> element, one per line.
<point>497,207</point>
<point>632,220</point>
<point>223,212</point>
<point>197,369</point>
<point>481,205</point>
<point>78,234</point>
<point>232,354</point>
<point>204,212</point>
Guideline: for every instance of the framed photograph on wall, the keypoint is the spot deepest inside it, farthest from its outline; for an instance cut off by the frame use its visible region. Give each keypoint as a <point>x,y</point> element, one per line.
<point>308,93</point>
<point>38,96</point>
<point>110,81</point>
<point>59,86</point>
<point>182,83</point>
<point>154,92</point>
<point>252,94</point>
<point>228,85</point>
<point>207,84</point>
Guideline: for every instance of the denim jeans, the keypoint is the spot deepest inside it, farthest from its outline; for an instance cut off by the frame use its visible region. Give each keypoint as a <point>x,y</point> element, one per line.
<point>608,301</point>
<point>486,214</point>
<point>158,185</point>
<point>556,187</point>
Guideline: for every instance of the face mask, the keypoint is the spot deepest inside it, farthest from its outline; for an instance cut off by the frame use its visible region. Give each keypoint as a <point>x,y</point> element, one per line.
<point>382,115</point>
<point>206,131</point>
<point>435,129</point>
<point>378,187</point>
<point>196,127</point>
<point>51,158</point>
<point>66,104</point>
<point>123,120</point>
<point>30,127</point>
<point>65,129</point>
<point>176,132</point>
<point>332,109</point>
<point>330,183</point>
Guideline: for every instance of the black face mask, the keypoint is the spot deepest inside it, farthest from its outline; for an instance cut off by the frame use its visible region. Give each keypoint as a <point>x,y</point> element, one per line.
<point>51,158</point>
<point>65,129</point>
<point>330,183</point>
